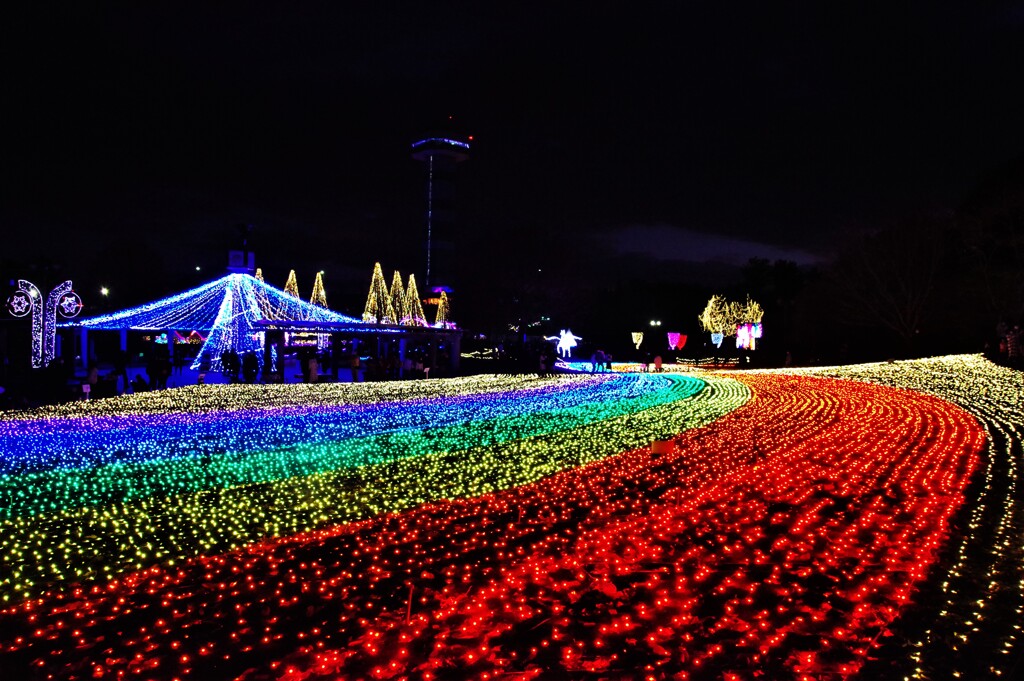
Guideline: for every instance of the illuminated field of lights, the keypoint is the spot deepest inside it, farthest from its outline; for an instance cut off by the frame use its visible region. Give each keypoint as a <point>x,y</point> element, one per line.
<point>818,524</point>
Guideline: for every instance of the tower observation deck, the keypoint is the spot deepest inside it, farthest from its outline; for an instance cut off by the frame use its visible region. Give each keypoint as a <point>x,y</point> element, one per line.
<point>440,153</point>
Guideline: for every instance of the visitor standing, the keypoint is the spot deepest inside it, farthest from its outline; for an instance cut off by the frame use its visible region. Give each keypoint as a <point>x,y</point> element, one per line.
<point>178,358</point>
<point>250,367</point>
<point>1013,349</point>
<point>314,369</point>
<point>353,365</point>
<point>121,370</point>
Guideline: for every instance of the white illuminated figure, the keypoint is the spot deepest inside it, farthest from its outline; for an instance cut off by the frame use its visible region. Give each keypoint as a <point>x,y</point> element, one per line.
<point>566,342</point>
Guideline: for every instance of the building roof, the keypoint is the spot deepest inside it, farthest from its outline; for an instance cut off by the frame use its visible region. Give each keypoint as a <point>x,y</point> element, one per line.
<point>227,309</point>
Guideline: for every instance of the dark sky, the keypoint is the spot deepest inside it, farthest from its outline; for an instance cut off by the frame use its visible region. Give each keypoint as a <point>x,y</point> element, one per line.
<point>136,138</point>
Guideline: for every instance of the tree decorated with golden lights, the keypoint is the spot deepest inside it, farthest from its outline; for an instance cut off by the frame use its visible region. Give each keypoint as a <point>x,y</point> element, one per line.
<point>266,309</point>
<point>397,296</point>
<point>751,313</point>
<point>291,287</point>
<point>723,316</point>
<point>412,314</point>
<point>717,316</point>
<point>443,318</point>
<point>378,308</point>
<point>319,296</point>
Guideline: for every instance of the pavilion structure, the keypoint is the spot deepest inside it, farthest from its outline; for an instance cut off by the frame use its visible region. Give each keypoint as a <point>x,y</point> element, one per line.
<point>244,313</point>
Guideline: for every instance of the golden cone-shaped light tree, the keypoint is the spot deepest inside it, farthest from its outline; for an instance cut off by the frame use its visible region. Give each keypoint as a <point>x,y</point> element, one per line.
<point>443,318</point>
<point>378,308</point>
<point>413,315</point>
<point>397,296</point>
<point>319,296</point>
<point>291,287</point>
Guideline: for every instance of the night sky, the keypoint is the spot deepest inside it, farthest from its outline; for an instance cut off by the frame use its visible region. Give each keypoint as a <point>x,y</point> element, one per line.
<point>609,141</point>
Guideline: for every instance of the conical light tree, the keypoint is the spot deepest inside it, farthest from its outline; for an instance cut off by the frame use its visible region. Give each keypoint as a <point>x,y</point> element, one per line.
<point>378,308</point>
<point>319,296</point>
<point>291,287</point>
<point>397,296</point>
<point>262,300</point>
<point>443,319</point>
<point>413,315</point>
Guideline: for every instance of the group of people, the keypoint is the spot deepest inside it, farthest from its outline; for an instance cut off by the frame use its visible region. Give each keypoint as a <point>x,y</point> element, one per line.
<point>600,361</point>
<point>389,368</point>
<point>239,368</point>
<point>546,363</point>
<point>652,364</point>
<point>1011,352</point>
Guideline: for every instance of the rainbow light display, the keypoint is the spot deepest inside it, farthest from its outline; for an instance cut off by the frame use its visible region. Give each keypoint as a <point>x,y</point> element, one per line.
<point>67,477</point>
<point>794,529</point>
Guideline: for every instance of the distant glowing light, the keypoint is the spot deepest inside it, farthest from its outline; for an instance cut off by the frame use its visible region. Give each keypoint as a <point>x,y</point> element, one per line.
<point>747,336</point>
<point>440,140</point>
<point>676,341</point>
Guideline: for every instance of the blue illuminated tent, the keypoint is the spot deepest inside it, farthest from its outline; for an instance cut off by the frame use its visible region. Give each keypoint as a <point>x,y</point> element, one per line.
<point>226,309</point>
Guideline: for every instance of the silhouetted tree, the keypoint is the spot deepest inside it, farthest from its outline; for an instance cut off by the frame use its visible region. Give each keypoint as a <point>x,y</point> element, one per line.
<point>992,236</point>
<point>887,280</point>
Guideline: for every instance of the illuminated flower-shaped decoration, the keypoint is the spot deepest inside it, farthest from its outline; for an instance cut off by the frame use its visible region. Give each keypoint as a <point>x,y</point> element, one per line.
<point>19,304</point>
<point>70,305</point>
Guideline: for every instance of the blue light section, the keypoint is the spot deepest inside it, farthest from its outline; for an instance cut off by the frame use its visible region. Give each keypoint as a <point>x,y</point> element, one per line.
<point>226,308</point>
<point>441,140</point>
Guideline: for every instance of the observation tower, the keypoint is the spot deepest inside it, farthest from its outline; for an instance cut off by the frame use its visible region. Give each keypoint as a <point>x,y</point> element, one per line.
<point>441,153</point>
